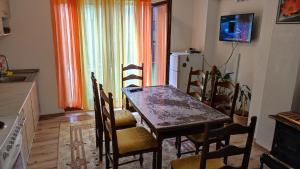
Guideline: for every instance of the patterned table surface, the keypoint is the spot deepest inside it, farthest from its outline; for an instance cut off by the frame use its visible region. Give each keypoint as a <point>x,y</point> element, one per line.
<point>166,107</point>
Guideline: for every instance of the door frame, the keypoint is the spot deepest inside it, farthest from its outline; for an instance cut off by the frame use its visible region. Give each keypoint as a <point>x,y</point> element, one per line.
<point>169,26</point>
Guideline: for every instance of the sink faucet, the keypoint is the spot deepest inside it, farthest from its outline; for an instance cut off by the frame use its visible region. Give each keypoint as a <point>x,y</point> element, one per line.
<point>3,65</point>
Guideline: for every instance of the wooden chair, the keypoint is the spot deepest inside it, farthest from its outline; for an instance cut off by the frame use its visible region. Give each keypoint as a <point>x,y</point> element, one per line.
<point>211,83</point>
<point>217,159</point>
<point>200,83</point>
<point>124,119</point>
<point>127,78</point>
<point>125,142</point>
<point>224,99</point>
<point>98,116</point>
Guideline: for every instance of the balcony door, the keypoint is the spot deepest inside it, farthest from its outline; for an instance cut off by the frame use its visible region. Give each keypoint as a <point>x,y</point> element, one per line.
<point>161,27</point>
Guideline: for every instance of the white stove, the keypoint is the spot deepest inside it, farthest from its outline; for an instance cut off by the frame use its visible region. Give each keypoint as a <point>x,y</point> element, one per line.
<point>11,139</point>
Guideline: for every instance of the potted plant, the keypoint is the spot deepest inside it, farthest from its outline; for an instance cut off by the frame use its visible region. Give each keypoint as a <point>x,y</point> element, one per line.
<point>244,98</point>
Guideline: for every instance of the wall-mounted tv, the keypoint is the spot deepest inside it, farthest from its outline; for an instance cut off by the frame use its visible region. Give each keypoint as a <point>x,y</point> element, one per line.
<point>236,28</point>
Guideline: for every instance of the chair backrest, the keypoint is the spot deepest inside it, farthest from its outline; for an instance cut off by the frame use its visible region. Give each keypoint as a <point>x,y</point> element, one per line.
<point>225,93</point>
<point>132,76</point>
<point>201,83</point>
<point>107,108</point>
<point>213,77</point>
<point>211,135</point>
<point>98,115</point>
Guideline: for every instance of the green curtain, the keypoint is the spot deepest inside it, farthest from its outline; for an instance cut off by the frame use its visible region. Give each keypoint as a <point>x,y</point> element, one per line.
<point>108,39</point>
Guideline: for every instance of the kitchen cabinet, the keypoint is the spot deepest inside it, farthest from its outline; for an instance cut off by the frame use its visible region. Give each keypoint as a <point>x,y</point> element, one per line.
<point>35,105</point>
<point>30,111</point>
<point>25,151</point>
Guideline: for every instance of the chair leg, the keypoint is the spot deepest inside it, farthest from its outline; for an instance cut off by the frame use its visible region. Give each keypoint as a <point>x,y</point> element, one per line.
<point>106,161</point>
<point>218,145</point>
<point>159,156</point>
<point>225,160</point>
<point>97,139</point>
<point>154,160</point>
<point>116,163</point>
<point>178,142</point>
<point>97,119</point>
<point>261,165</point>
<point>197,149</point>
<point>107,154</point>
<point>100,145</point>
<point>141,160</point>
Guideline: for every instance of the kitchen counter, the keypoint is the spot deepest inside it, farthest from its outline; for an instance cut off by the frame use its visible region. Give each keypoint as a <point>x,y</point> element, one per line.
<point>30,74</point>
<point>12,98</point>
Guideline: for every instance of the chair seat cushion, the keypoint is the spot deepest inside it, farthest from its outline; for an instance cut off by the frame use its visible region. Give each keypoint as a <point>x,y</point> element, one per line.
<point>135,139</point>
<point>196,138</point>
<point>124,119</point>
<point>193,162</point>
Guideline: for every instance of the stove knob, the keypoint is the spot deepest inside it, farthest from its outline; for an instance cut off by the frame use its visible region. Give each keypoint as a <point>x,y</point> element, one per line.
<point>13,138</point>
<point>5,155</point>
<point>15,134</point>
<point>8,147</point>
<point>11,142</point>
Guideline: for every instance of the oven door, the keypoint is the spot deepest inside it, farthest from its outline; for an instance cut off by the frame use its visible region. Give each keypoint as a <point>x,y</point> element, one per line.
<point>19,163</point>
<point>15,159</point>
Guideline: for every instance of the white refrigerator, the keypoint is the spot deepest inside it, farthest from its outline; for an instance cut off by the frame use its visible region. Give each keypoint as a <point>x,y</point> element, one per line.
<point>180,66</point>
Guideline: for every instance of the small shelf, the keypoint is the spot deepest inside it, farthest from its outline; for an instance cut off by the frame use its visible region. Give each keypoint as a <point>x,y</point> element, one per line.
<point>5,28</point>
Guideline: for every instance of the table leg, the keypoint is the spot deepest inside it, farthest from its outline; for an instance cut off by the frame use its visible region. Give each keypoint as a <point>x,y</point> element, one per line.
<point>159,154</point>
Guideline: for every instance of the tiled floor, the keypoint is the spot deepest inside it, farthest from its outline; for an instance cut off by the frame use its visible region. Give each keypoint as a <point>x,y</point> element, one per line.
<point>44,151</point>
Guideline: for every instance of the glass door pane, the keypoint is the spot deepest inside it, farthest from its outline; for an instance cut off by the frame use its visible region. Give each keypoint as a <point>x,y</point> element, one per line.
<point>159,44</point>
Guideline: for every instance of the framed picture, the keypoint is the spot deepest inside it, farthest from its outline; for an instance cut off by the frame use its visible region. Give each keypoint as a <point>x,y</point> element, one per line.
<point>288,12</point>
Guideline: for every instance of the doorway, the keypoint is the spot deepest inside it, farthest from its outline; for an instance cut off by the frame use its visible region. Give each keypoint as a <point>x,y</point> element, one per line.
<point>161,32</point>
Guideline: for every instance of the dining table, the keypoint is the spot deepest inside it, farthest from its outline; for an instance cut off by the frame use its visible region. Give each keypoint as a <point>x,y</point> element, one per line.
<point>170,112</point>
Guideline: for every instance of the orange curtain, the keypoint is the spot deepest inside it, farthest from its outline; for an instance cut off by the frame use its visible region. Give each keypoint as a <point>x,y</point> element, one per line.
<point>161,44</point>
<point>67,52</point>
<point>143,15</point>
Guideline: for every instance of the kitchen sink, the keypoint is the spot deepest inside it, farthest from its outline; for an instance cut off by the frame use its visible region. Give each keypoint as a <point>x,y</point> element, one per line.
<point>9,79</point>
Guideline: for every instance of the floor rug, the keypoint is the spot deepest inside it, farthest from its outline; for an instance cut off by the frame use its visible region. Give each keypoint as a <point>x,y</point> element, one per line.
<point>77,149</point>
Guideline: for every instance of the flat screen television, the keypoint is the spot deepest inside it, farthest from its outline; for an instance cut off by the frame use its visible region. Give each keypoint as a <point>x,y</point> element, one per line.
<point>236,28</point>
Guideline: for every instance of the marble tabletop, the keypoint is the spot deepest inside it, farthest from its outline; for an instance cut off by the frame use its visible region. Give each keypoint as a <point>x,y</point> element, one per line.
<point>166,107</point>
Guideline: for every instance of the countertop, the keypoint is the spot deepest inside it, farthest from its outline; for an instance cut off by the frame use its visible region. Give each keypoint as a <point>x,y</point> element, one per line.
<point>12,98</point>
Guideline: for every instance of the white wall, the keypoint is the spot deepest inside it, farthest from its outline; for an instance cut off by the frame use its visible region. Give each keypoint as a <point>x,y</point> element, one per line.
<point>261,61</point>
<point>31,46</point>
<point>210,30</point>
<point>270,64</point>
<point>276,73</point>
<point>182,25</point>
<point>282,72</point>
<point>296,99</point>
<point>247,51</point>
<point>199,29</point>
<point>280,82</point>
